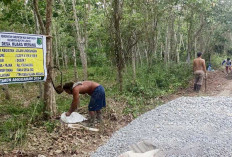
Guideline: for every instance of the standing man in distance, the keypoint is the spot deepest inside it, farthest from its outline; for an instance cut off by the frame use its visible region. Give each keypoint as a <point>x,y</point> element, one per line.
<point>199,70</point>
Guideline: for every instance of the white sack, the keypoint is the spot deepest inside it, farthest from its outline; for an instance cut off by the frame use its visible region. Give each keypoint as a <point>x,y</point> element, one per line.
<point>73,118</point>
<point>146,154</point>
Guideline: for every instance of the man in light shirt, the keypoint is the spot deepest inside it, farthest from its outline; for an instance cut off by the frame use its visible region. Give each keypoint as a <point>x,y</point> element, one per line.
<point>228,65</point>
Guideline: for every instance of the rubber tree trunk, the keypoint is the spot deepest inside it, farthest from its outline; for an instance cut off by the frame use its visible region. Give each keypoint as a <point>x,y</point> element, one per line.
<point>178,41</point>
<point>140,57</point>
<point>178,50</point>
<point>156,45</point>
<point>133,56</point>
<point>195,47</point>
<point>134,63</point>
<point>56,47</point>
<point>166,52</point>
<point>80,42</point>
<point>41,89</point>
<point>75,65</point>
<point>123,57</point>
<point>146,54</point>
<point>117,41</point>
<point>61,50</point>
<point>49,94</point>
<point>189,49</point>
<point>65,58</point>
<point>161,51</point>
<point>172,43</point>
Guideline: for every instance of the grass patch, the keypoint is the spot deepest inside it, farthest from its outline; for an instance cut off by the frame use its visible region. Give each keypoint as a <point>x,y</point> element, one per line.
<point>15,120</point>
<point>158,80</point>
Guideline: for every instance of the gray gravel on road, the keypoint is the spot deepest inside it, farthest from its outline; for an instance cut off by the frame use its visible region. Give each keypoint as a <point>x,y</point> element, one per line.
<point>187,126</point>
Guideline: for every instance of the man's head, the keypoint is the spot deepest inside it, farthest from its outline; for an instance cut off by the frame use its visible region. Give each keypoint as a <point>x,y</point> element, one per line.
<point>59,89</point>
<point>199,54</point>
<point>228,59</point>
<point>68,87</point>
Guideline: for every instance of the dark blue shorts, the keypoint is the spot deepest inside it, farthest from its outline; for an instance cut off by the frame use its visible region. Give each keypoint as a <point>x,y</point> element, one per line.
<point>98,100</point>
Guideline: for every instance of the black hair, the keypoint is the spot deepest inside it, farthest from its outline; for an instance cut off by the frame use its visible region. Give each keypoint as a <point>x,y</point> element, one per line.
<point>228,59</point>
<point>68,86</point>
<point>199,54</point>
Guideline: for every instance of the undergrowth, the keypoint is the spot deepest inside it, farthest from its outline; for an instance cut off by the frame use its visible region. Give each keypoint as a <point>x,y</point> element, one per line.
<point>15,120</point>
<point>153,82</point>
<point>139,95</point>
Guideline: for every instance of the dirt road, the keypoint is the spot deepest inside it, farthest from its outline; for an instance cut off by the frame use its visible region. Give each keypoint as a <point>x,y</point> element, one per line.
<point>218,84</point>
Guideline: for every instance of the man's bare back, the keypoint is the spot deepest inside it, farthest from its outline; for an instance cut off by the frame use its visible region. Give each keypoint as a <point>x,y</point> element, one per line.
<point>199,64</point>
<point>86,87</point>
<point>199,70</point>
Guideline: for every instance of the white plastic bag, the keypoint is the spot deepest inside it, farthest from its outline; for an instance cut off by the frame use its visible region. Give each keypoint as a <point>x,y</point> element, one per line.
<point>73,118</point>
<point>150,153</point>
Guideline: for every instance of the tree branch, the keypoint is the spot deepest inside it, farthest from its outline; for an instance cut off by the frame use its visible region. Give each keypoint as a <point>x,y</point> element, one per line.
<point>200,28</point>
<point>35,4</point>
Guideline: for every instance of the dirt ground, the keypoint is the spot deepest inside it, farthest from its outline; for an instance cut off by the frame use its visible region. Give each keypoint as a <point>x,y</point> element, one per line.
<point>64,141</point>
<point>217,84</point>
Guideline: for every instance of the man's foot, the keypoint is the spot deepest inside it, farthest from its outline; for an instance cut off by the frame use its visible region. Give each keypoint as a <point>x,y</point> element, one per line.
<point>89,122</point>
<point>99,118</point>
<point>195,86</point>
<point>198,88</point>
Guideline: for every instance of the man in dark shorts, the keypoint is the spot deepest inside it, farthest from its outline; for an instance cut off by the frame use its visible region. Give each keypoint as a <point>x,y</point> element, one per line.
<point>95,90</point>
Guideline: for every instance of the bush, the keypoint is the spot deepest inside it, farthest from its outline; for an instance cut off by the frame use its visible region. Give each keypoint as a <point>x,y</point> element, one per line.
<point>158,80</point>
<point>151,82</point>
<point>216,61</point>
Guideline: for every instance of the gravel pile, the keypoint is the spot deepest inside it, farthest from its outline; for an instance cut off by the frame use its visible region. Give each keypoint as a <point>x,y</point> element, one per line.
<point>187,126</point>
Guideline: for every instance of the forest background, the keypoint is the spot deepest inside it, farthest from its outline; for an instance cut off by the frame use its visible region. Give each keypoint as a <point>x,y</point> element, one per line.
<point>139,50</point>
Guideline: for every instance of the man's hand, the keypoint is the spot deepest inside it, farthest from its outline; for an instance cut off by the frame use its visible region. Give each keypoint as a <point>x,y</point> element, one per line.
<point>206,75</point>
<point>67,113</point>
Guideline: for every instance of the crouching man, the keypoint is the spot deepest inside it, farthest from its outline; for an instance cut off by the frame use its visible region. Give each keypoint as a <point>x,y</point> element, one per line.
<point>97,100</point>
<point>199,69</point>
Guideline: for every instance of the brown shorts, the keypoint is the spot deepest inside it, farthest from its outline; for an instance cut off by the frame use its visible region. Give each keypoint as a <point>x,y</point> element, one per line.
<point>199,76</point>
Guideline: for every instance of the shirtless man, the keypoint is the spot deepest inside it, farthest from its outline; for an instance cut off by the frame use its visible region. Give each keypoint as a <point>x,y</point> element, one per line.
<point>199,70</point>
<point>95,90</point>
